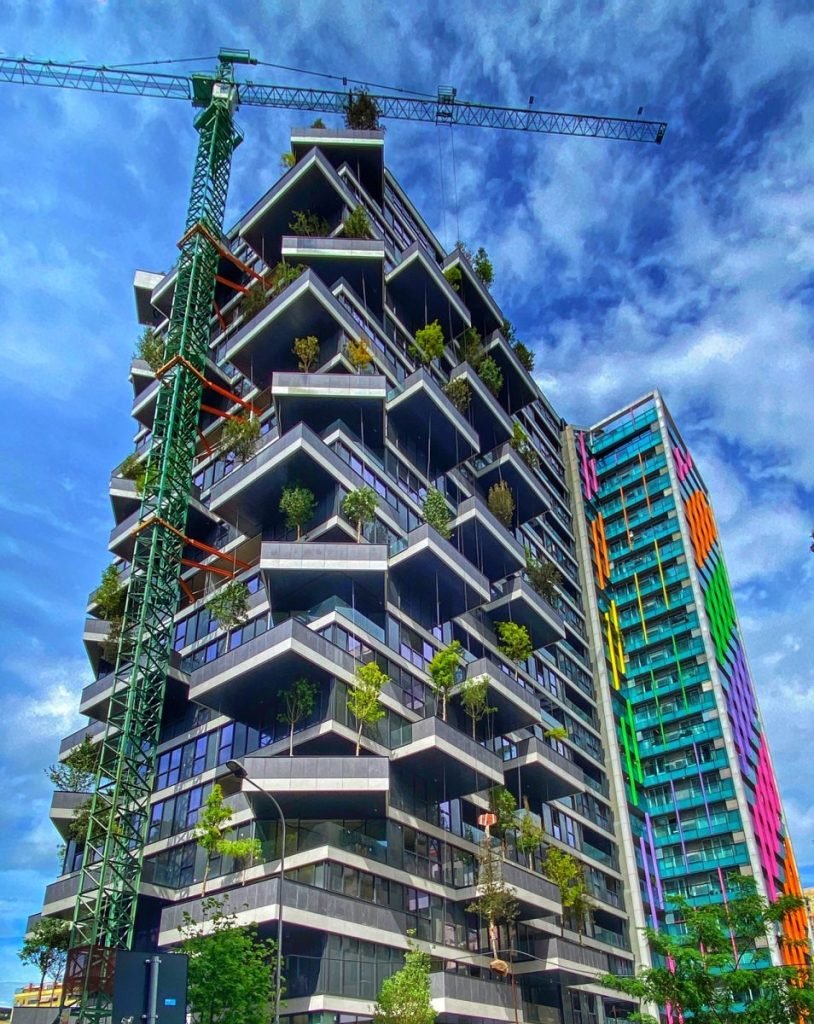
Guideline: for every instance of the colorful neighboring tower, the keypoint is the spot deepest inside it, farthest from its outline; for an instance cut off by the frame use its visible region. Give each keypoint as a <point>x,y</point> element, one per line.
<point>692,763</point>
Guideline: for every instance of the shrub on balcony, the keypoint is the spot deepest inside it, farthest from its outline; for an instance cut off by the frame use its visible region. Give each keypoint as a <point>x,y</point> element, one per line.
<point>357,224</point>
<point>364,701</point>
<point>110,595</point>
<point>475,700</point>
<point>558,732</point>
<point>318,123</point>
<point>496,900</point>
<point>482,266</point>
<point>210,834</point>
<point>501,503</point>
<point>524,354</point>
<point>491,374</point>
<point>436,512</point>
<point>77,773</point>
<point>514,642</point>
<point>287,160</point>
<point>307,352</point>
<point>459,392</point>
<point>359,507</point>
<point>361,112</point>
<point>131,467</point>
<point>297,505</point>
<point>254,300</point>
<point>150,348</point>
<point>470,347</point>
<point>298,703</point>
<point>229,604</point>
<point>521,443</point>
<point>544,577</point>
<point>309,224</point>
<point>359,352</point>
<point>147,478</point>
<point>454,277</point>
<point>503,805</point>
<point>443,672</point>
<point>567,873</point>
<point>283,274</point>
<point>428,344</point>
<point>240,436</point>
<point>529,837</point>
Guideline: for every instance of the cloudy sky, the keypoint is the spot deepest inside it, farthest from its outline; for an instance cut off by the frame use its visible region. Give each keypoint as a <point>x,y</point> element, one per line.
<point>686,266</point>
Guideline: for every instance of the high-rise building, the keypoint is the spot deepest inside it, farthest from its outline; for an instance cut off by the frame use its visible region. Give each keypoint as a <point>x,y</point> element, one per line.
<point>633,636</point>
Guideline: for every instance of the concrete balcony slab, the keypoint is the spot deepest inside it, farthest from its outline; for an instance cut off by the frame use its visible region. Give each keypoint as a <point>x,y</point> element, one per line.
<point>541,771</point>
<point>360,261</point>
<point>419,293</point>
<point>485,541</point>
<point>363,151</point>
<point>518,384</point>
<point>491,421</point>
<point>485,312</point>
<point>519,602</point>
<point>301,575</point>
<point>440,753</point>
<point>515,707</point>
<point>503,463</point>
<point>319,399</point>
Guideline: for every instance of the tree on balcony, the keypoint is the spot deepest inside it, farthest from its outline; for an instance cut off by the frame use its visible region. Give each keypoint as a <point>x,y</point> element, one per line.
<point>309,224</point>
<point>482,266</point>
<point>109,598</point>
<point>298,703</point>
<point>544,577</point>
<point>443,672</point>
<point>525,355</point>
<point>436,512</point>
<point>404,997</point>
<point>210,834</point>
<point>150,348</point>
<point>357,224</point>
<point>501,503</point>
<point>307,352</point>
<point>287,160</point>
<point>521,443</point>
<point>364,698</point>
<point>496,901</point>
<point>428,344</point>
<point>77,773</point>
<point>297,505</point>
<point>361,112</point>
<point>558,732</point>
<point>529,837</point>
<point>239,437</point>
<point>475,700</point>
<point>359,352</point>
<point>491,374</point>
<point>254,300</point>
<point>229,604</point>
<point>566,872</point>
<point>359,507</point>
<point>46,948</point>
<point>503,805</point>
<point>514,642</point>
<point>454,277</point>
<point>459,392</point>
<point>470,347</point>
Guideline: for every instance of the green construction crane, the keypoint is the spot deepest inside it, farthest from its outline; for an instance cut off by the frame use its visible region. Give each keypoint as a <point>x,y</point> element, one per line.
<point>105,912</point>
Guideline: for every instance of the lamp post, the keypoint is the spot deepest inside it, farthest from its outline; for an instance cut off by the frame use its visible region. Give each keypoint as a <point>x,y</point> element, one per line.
<point>237,769</point>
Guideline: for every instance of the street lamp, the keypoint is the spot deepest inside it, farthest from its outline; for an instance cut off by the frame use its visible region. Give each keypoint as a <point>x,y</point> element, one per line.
<point>237,769</point>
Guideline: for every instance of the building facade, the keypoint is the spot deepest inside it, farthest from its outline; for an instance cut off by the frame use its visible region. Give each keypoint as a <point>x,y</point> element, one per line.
<point>386,841</point>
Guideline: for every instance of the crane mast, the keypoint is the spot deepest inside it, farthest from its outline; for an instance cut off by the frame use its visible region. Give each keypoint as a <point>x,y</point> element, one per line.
<point>105,912</point>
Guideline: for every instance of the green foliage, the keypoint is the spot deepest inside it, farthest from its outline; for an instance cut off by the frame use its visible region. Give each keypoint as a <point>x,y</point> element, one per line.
<point>258,297</point>
<point>524,354</point>
<point>429,343</point>
<point>298,703</point>
<point>297,505</point>
<point>718,966</point>
<point>361,112</point>
<point>501,503</point>
<point>470,347</point>
<point>359,507</point>
<point>566,872</point>
<point>443,671</point>
<point>436,512</point>
<point>318,123</point>
<point>231,970</point>
<point>210,830</point>
<point>544,577</point>
<point>46,948</point>
<point>529,837</point>
<point>482,266</point>
<point>358,351</point>
<point>509,333</point>
<point>404,997</point>
<point>491,374</point>
<point>230,604</point>
<point>79,824</point>
<point>283,275</point>
<point>459,392</point>
<point>454,277</point>
<point>521,443</point>
<point>307,352</point>
<point>287,161</point>
<point>514,641</point>
<point>131,467</point>
<point>147,477</point>
<point>254,300</point>
<point>364,698</point>
<point>496,900</point>
<point>77,773</point>
<point>239,437</point>
<point>475,700</point>
<point>357,224</point>
<point>503,804</point>
<point>557,732</point>
<point>150,348</point>
<point>304,222</point>
<point>110,595</point>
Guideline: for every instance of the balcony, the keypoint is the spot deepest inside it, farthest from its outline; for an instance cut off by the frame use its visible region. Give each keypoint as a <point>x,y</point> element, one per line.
<point>301,575</point>
<point>485,541</point>
<point>419,293</point>
<point>515,707</point>
<point>449,584</point>
<point>487,416</point>
<point>427,425</point>
<point>518,384</point>
<point>318,399</point>
<point>142,376</point>
<point>362,151</point>
<point>518,602</point>
<point>124,497</point>
<point>458,996</point>
<point>440,754</point>
<point>305,307</point>
<point>93,730</point>
<point>60,896</point>
<point>63,810</point>
<point>537,769</point>
<point>486,314</point>
<point>360,261</point>
<point>94,636</point>
<point>144,282</point>
<point>504,463</point>
<point>243,683</point>
<point>95,699</point>
<point>122,543</point>
<point>312,185</point>
<point>538,897</point>
<point>313,787</point>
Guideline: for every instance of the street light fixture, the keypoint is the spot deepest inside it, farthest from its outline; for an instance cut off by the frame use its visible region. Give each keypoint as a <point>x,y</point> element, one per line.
<point>237,769</point>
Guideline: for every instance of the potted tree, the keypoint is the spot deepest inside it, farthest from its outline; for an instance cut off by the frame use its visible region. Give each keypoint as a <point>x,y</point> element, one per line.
<point>544,577</point>
<point>459,392</point>
<point>436,512</point>
<point>229,604</point>
<point>307,352</point>
<point>443,671</point>
<point>364,698</point>
<point>298,703</point>
<point>501,503</point>
<point>514,642</point>
<point>529,837</point>
<point>297,505</point>
<point>491,374</point>
<point>495,902</point>
<point>357,224</point>
<point>210,834</point>
<point>359,352</point>
<point>239,436</point>
<point>359,507</point>
<point>566,872</point>
<point>428,344</point>
<point>475,700</point>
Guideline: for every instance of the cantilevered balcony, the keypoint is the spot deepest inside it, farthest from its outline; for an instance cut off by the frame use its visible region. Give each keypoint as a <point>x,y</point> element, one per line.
<point>243,683</point>
<point>426,425</point>
<point>419,293</point>
<point>460,996</point>
<point>95,637</point>
<point>360,261</point>
<point>144,283</point>
<point>305,307</point>
<point>95,699</point>
<point>142,376</point>
<point>124,497</point>
<point>301,575</point>
<point>318,399</point>
<point>144,403</point>
<point>518,385</point>
<point>93,731</point>
<point>362,151</point>
<point>448,584</point>
<point>485,312</point>
<point>313,787</point>
<point>504,463</point>
<point>446,759</point>
<point>485,413</point>
<point>537,896</point>
<point>540,771</point>
<point>200,523</point>
<point>515,707</point>
<point>311,186</point>
<point>519,602</point>
<point>64,807</point>
<point>484,541</point>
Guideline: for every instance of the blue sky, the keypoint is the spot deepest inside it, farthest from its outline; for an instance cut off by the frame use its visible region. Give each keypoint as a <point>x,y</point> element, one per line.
<point>686,266</point>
